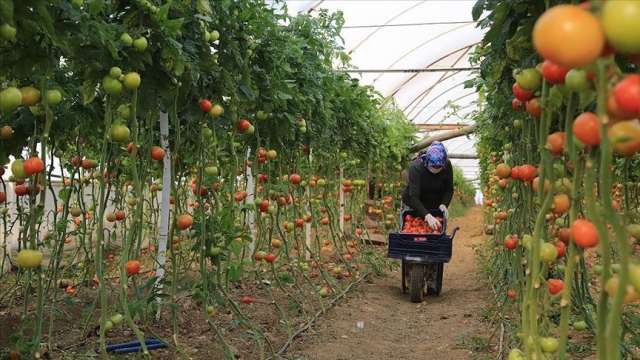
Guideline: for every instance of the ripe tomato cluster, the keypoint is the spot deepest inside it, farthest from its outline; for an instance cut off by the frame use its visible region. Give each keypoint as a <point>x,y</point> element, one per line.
<point>416,225</point>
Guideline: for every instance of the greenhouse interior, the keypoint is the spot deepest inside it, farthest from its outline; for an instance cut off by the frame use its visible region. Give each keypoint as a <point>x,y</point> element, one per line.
<point>319,179</point>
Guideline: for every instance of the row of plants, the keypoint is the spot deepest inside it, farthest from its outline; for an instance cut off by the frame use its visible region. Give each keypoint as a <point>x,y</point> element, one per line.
<point>559,139</point>
<point>206,147</point>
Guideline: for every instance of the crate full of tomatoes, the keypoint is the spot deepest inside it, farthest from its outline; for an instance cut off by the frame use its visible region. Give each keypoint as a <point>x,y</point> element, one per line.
<point>427,245</point>
<point>416,225</point>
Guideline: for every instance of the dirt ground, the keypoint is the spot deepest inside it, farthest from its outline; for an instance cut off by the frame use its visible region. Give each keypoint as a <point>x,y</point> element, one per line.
<point>446,327</point>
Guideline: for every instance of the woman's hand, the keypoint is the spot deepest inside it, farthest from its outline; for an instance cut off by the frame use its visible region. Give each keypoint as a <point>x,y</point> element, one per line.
<point>444,210</point>
<point>432,222</point>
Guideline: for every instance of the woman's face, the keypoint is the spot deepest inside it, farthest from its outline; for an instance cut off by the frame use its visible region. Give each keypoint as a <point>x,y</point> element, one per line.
<point>435,169</point>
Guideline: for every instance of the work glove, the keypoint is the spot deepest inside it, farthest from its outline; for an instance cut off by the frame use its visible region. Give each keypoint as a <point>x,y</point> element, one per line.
<point>432,222</point>
<point>444,210</point>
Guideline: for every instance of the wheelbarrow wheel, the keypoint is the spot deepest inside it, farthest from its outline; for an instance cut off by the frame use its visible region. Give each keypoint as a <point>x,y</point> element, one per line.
<point>417,284</point>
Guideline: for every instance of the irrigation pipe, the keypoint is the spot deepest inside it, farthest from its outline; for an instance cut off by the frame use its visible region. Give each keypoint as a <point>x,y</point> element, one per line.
<point>320,312</point>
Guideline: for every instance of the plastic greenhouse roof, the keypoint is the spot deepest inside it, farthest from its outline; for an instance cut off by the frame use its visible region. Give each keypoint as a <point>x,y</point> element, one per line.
<point>416,52</point>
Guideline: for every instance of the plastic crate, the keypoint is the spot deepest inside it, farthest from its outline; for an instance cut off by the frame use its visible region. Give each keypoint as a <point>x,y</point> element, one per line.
<point>424,237</point>
<point>404,247</point>
<point>427,248</point>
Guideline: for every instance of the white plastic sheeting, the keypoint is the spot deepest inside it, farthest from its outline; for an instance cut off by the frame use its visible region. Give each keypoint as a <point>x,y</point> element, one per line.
<point>433,38</point>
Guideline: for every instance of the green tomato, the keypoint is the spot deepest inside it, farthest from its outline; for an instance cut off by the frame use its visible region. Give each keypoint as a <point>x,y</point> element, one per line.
<point>580,325</point>
<point>29,259</point>
<point>10,99</point>
<point>7,32</point>
<point>211,170</point>
<point>526,241</point>
<point>140,44</point>
<point>53,97</point>
<point>126,38</point>
<point>517,124</point>
<point>214,250</point>
<point>548,252</point>
<point>516,354</point>
<point>634,275</point>
<point>549,344</point>
<point>577,80</point>
<point>262,115</point>
<point>120,133</point>
<point>115,72</point>
<point>108,326</point>
<point>116,319</point>
<point>17,169</point>
<point>621,26</point>
<point>528,79</point>
<point>124,111</point>
<point>597,269</point>
<point>131,81</point>
<point>214,35</point>
<point>111,86</point>
<point>615,268</point>
<point>207,133</point>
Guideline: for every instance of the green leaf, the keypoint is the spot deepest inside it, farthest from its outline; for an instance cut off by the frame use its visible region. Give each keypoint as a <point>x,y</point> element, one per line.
<point>64,194</point>
<point>284,96</point>
<point>235,272</point>
<point>174,24</point>
<point>163,12</point>
<point>88,93</point>
<point>6,12</point>
<point>477,10</point>
<point>94,6</point>
<point>586,98</point>
<point>204,7</point>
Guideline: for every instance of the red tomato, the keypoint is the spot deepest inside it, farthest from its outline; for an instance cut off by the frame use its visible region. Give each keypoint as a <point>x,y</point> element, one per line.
<point>132,267</point>
<point>157,153</point>
<point>33,165</point>
<point>533,107</point>
<point>205,105</point>
<point>553,73</point>
<point>555,286</point>
<point>510,243</point>
<point>520,94</point>
<point>584,233</point>
<point>243,125</point>
<point>515,173</point>
<point>627,94</point>
<point>516,104</point>
<point>527,172</point>
<point>561,247</point>
<point>586,128</point>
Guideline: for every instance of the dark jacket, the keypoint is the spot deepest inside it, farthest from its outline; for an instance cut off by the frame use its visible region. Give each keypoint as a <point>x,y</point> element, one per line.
<point>426,190</point>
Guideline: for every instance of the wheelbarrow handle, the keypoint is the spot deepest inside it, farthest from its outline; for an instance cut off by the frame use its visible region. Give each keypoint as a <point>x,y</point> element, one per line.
<point>453,233</point>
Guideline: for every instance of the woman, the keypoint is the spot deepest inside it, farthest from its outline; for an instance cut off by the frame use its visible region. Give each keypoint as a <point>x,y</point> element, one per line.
<point>430,184</point>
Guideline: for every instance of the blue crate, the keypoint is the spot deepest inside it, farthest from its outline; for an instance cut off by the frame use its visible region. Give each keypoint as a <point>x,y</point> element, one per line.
<point>436,248</point>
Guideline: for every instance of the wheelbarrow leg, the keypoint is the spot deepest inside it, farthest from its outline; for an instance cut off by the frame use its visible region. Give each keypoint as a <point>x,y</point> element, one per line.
<point>405,277</point>
<point>434,278</point>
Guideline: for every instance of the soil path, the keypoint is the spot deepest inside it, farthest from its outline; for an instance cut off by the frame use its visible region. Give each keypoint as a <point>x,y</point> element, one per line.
<point>446,327</point>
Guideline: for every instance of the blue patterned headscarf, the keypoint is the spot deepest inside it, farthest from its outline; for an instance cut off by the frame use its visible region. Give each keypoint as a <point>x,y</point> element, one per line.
<point>435,155</point>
